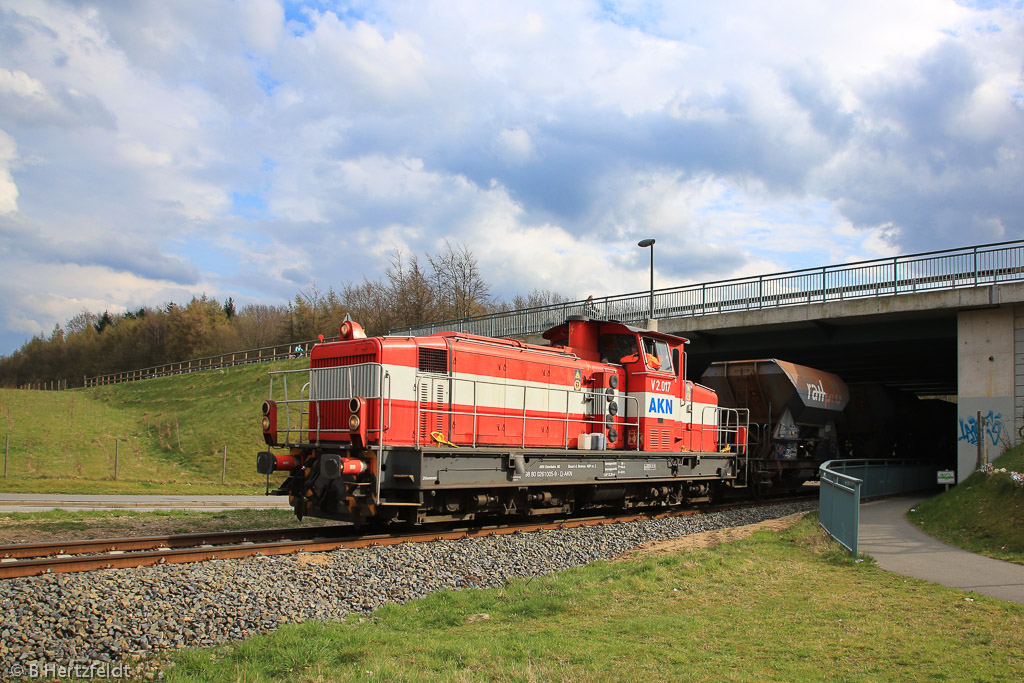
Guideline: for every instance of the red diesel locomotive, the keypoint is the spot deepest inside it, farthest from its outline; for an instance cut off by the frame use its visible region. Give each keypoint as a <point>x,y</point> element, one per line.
<point>455,426</point>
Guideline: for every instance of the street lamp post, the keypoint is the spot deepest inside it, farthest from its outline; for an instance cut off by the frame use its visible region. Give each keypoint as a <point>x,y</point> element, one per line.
<point>642,244</point>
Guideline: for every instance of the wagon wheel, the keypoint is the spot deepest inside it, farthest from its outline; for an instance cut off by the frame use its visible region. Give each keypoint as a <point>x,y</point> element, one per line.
<point>760,487</point>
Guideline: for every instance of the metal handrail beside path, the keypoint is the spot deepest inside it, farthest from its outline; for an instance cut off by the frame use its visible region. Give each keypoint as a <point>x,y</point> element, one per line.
<point>844,483</point>
<point>839,506</point>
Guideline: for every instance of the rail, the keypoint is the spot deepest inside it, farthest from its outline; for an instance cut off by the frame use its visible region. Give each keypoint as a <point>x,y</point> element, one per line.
<point>844,483</point>
<point>929,271</point>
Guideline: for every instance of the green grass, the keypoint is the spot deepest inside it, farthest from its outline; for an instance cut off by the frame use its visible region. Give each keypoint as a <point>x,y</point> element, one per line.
<point>171,434</point>
<point>983,514</point>
<point>774,607</point>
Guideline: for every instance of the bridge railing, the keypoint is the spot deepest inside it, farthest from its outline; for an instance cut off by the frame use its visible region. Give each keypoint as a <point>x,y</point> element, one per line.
<point>844,483</point>
<point>948,269</point>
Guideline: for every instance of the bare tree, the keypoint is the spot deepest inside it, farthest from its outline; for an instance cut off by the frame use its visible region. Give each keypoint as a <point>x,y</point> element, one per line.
<point>458,286</point>
<point>369,304</point>
<point>535,299</point>
<point>411,298</point>
<point>310,310</point>
<point>259,325</point>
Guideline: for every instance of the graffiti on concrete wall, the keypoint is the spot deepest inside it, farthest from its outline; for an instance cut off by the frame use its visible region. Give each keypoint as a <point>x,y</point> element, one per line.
<point>993,428</point>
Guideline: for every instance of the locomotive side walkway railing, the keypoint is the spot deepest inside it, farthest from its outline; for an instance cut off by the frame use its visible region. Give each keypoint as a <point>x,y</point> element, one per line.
<point>575,404</point>
<point>844,483</point>
<point>930,271</point>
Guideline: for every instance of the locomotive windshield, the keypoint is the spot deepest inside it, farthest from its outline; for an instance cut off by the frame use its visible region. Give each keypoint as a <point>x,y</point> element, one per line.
<point>658,355</point>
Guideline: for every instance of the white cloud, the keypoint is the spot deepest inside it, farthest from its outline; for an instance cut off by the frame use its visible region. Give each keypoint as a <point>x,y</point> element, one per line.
<point>235,152</point>
<point>515,145</point>
<point>262,23</point>
<point>8,188</point>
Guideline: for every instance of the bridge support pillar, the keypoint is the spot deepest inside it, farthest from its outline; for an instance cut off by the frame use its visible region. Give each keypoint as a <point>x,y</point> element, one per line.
<point>990,380</point>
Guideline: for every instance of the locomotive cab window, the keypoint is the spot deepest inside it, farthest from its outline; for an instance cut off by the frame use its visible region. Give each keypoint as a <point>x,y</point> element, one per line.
<point>617,348</point>
<point>659,356</point>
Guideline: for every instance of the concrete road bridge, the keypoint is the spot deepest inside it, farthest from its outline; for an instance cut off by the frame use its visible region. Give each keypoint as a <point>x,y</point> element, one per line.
<point>946,323</point>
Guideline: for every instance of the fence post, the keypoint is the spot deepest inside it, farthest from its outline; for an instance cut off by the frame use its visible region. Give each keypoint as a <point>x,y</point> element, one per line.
<point>224,466</point>
<point>7,451</point>
<point>115,459</point>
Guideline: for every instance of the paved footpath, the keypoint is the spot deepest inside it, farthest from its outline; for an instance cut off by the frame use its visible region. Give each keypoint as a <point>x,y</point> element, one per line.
<point>898,546</point>
<point>36,502</point>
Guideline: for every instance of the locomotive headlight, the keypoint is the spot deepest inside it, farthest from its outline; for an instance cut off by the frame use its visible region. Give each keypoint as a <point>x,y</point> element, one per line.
<point>358,419</point>
<point>269,423</point>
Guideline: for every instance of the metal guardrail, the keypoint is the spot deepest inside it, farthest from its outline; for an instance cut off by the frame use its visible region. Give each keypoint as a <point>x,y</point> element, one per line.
<point>844,483</point>
<point>839,507</point>
<point>938,270</point>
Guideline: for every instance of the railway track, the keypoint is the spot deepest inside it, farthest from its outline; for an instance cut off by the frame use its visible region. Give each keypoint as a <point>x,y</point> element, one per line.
<point>31,559</point>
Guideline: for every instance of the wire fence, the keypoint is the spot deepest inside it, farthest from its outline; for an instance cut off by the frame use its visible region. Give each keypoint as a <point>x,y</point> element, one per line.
<point>224,360</point>
<point>949,269</point>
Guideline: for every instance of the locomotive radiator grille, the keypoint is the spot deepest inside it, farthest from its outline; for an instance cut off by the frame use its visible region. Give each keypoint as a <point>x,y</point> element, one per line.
<point>433,360</point>
<point>659,439</point>
<point>330,389</point>
<point>433,396</point>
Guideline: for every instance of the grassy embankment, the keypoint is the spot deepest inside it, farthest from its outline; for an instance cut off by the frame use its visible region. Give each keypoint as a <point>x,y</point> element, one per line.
<point>171,432</point>
<point>983,514</point>
<point>773,607</point>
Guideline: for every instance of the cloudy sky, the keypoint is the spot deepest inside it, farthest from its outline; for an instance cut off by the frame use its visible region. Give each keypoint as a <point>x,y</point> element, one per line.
<point>154,150</point>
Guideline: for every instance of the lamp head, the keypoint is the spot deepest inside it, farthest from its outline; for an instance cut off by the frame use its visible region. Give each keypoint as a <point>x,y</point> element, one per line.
<point>645,243</point>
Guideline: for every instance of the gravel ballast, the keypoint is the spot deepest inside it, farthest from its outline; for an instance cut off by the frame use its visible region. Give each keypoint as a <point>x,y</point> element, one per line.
<point>121,614</point>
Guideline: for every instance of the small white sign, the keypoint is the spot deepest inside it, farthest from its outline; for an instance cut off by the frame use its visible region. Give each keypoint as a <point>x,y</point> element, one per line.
<point>947,477</point>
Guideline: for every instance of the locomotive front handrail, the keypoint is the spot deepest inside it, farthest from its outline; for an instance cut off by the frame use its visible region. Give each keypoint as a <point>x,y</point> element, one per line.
<point>309,397</point>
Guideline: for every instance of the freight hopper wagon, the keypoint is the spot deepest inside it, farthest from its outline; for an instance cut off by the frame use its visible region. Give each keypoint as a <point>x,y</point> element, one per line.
<point>793,410</point>
<point>454,426</point>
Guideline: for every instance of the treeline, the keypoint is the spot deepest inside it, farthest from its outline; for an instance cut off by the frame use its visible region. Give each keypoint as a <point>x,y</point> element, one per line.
<point>411,292</point>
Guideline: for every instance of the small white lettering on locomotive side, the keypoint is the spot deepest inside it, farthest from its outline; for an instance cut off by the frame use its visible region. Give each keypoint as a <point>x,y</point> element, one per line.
<point>661,385</point>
